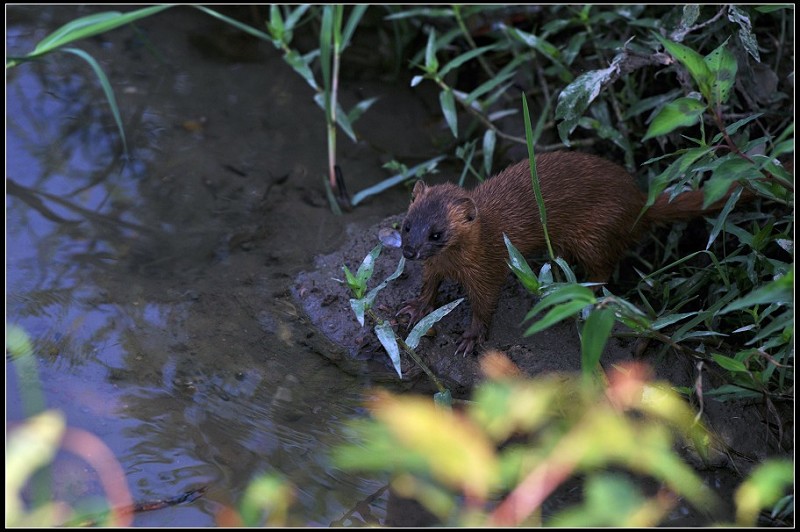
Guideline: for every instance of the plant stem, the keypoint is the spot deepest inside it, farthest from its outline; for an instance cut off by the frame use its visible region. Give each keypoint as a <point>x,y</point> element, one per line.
<point>332,118</point>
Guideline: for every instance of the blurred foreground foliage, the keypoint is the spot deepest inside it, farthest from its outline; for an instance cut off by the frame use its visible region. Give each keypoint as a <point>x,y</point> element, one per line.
<point>496,461</point>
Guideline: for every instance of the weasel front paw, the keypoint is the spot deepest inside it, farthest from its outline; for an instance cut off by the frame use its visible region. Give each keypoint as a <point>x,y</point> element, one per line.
<point>415,309</point>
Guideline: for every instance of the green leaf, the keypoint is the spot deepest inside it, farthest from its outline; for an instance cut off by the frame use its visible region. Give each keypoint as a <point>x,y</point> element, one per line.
<point>780,330</point>
<point>431,63</point>
<point>693,62</point>
<point>236,24</point>
<point>359,307</point>
<point>652,102</point>
<point>359,109</point>
<point>664,321</point>
<point>563,293</point>
<point>704,316</point>
<point>326,51</point>
<point>420,12</point>
<point>463,58</point>
<point>778,291</point>
<point>18,343</point>
<point>368,264</point>
<point>731,364</point>
<point>275,25</point>
<point>556,314</point>
<point>90,26</point>
<point>520,267</point>
<point>29,446</point>
<point>300,65</point>
<point>372,294</point>
<point>483,88</point>
<point>732,391</point>
<point>723,216</point>
<point>427,322</point>
<point>294,16</point>
<point>535,42</point>
<point>537,189</point>
<point>448,104</point>
<point>723,67</point>
<point>733,128</point>
<point>352,23</point>
<point>594,337</point>
<point>547,49</point>
<point>723,176</point>
<point>767,484</point>
<point>576,97</point>
<point>388,340</point>
<point>677,168</point>
<point>569,275</point>
<point>107,90</point>
<point>415,171</point>
<point>356,286</point>
<point>683,112</point>
<point>489,141</point>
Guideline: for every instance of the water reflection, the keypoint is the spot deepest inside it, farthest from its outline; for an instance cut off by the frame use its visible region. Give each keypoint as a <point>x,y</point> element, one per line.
<point>184,358</point>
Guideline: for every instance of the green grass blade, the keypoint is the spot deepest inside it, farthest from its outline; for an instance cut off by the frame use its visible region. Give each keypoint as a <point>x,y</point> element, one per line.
<point>394,180</point>
<point>109,92</point>
<point>352,23</point>
<point>236,24</point>
<point>388,340</point>
<point>448,104</point>
<point>556,314</point>
<point>325,44</point>
<point>537,190</point>
<point>595,335</point>
<point>427,322</point>
<point>489,142</point>
<point>463,58</point>
<point>92,25</point>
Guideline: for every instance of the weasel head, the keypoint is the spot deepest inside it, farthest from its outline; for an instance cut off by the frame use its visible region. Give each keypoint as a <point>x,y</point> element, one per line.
<point>436,219</point>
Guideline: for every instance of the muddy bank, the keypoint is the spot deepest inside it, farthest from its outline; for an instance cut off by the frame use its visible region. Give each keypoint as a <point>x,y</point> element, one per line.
<point>744,438</point>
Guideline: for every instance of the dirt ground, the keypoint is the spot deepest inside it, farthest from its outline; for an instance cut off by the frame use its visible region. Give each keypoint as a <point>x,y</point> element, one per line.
<point>743,428</point>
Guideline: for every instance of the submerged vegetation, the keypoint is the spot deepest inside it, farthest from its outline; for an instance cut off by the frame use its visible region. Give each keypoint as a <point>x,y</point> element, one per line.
<point>683,97</point>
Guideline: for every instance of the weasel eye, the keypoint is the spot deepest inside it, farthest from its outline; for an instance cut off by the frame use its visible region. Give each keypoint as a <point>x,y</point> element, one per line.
<point>406,227</point>
<point>435,236</point>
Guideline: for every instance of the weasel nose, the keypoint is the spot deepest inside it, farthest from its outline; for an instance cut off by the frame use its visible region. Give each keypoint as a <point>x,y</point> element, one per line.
<point>409,253</point>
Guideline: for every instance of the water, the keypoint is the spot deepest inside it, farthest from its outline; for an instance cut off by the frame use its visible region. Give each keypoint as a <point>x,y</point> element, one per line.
<point>154,288</point>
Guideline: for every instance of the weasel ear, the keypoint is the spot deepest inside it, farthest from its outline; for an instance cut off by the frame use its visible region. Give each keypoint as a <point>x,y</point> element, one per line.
<point>467,207</point>
<point>419,189</point>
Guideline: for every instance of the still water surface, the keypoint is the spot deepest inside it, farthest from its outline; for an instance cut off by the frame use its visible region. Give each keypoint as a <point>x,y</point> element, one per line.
<point>182,352</point>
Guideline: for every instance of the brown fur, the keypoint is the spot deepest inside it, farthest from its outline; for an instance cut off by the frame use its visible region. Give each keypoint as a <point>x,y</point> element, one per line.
<point>592,208</point>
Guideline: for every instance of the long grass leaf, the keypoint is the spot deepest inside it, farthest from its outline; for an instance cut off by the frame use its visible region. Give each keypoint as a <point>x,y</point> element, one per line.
<point>489,141</point>
<point>109,92</point>
<point>448,104</point>
<point>92,25</point>
<point>482,89</point>
<point>537,190</point>
<point>463,58</point>
<point>427,322</point>
<point>556,314</point>
<point>325,43</point>
<point>594,338</point>
<point>388,340</point>
<point>394,180</point>
<point>236,24</point>
<point>352,23</point>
